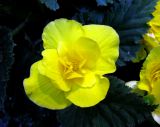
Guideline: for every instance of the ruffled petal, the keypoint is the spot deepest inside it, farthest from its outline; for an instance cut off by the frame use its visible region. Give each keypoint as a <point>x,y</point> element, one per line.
<point>103,67</point>
<point>156,92</point>
<point>61,31</point>
<point>86,97</point>
<point>42,92</point>
<point>49,66</point>
<point>144,85</point>
<point>88,80</point>
<point>88,49</point>
<point>153,57</point>
<point>151,68</point>
<point>108,41</point>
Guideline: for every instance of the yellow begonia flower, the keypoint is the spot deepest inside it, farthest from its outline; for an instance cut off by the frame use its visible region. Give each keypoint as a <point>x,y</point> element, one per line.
<point>150,76</point>
<point>75,58</point>
<point>152,38</point>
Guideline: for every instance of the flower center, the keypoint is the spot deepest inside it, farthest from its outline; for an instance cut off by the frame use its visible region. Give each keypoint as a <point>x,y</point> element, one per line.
<point>71,67</point>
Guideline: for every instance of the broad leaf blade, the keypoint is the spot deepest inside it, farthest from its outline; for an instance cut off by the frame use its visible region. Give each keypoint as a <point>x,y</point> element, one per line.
<point>129,18</point>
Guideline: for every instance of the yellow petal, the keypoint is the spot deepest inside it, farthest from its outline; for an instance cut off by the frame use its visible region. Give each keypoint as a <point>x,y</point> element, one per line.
<point>49,66</point>
<point>74,75</point>
<point>103,67</point>
<point>61,31</point>
<point>151,63</point>
<point>88,49</point>
<point>150,70</point>
<point>144,85</point>
<point>153,57</point>
<point>108,41</point>
<point>150,41</point>
<point>86,97</point>
<point>42,92</point>
<point>88,80</point>
<point>156,92</point>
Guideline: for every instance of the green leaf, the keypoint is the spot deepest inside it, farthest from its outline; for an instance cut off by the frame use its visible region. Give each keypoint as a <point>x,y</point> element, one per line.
<point>6,61</point>
<point>51,4</point>
<point>128,17</point>
<point>104,2</point>
<point>121,108</point>
<point>89,16</point>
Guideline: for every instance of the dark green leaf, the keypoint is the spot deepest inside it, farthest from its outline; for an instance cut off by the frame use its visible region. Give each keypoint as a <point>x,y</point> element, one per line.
<point>87,16</point>
<point>51,4</point>
<point>128,17</point>
<point>103,2</point>
<point>121,108</point>
<point>6,60</point>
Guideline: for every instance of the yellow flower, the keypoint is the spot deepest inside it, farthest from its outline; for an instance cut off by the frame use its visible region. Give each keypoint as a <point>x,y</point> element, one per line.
<point>75,58</point>
<point>150,76</point>
<point>152,38</point>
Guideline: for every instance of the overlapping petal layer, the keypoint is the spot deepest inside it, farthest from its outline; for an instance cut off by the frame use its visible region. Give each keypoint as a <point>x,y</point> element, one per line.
<point>150,78</point>
<point>75,58</point>
<point>41,90</point>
